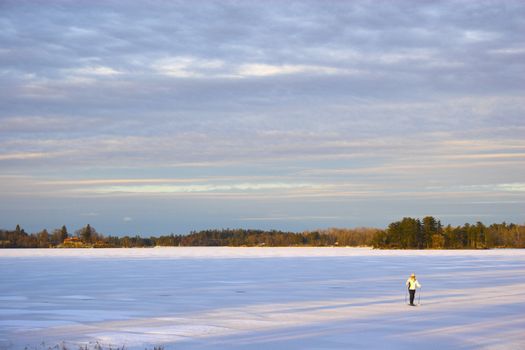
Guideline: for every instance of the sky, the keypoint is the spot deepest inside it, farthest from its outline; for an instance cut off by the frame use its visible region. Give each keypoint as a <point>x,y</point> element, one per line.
<point>158,117</point>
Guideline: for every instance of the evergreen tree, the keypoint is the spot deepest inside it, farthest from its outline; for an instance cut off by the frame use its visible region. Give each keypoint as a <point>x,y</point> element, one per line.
<point>430,228</point>
<point>87,234</point>
<point>63,233</point>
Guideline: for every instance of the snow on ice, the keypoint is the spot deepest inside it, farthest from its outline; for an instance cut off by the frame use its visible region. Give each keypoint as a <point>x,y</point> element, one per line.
<point>261,298</point>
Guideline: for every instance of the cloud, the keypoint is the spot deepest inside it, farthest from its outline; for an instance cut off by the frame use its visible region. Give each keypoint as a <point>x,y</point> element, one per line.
<point>266,70</point>
<point>487,188</point>
<point>189,67</point>
<point>290,218</point>
<point>198,188</point>
<point>350,99</point>
<point>198,67</point>
<point>50,124</point>
<point>479,36</point>
<point>513,187</point>
<point>509,51</point>
<point>23,156</point>
<point>93,71</point>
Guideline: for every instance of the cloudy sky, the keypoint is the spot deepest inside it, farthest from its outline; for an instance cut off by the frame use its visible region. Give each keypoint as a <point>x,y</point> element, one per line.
<point>152,117</point>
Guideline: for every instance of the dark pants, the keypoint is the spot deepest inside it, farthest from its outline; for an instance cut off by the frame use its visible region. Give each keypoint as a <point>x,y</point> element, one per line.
<point>412,295</point>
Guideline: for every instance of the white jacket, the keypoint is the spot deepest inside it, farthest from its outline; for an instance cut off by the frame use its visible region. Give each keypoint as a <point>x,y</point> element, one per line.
<point>412,284</point>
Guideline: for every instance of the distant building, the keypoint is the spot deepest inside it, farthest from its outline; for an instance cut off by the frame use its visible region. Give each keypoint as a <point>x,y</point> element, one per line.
<point>72,242</point>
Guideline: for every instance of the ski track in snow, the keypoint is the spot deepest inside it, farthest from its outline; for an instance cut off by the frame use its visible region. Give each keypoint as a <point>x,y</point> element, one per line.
<point>260,298</point>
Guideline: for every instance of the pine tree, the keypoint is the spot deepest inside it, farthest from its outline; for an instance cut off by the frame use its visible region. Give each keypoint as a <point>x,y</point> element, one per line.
<point>63,233</point>
<point>86,234</point>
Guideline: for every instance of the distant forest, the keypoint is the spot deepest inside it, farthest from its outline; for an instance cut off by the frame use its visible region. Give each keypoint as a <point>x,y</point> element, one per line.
<point>429,233</point>
<point>409,233</point>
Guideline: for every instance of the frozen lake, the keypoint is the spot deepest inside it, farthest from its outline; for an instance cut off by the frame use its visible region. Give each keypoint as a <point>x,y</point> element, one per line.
<point>261,298</point>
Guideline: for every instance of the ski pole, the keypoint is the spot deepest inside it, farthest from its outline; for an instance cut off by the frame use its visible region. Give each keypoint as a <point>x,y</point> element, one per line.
<point>419,297</point>
<point>406,292</point>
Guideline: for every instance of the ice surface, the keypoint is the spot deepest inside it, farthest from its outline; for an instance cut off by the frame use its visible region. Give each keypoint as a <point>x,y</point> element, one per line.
<point>261,298</point>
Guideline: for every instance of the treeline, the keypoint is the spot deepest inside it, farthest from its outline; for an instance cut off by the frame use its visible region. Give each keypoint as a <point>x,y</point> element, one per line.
<point>88,237</point>
<point>252,238</point>
<point>409,233</point>
<point>429,233</point>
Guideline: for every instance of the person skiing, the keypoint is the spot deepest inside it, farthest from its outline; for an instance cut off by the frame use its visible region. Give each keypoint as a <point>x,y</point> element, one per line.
<point>412,284</point>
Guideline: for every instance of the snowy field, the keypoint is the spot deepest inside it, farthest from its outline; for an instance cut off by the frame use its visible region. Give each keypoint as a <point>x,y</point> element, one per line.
<point>261,298</point>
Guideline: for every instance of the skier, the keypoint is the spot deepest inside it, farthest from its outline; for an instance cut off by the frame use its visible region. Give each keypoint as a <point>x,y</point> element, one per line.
<point>412,284</point>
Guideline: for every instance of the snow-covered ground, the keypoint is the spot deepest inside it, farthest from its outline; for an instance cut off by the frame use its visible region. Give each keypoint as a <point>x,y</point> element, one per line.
<point>261,298</point>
